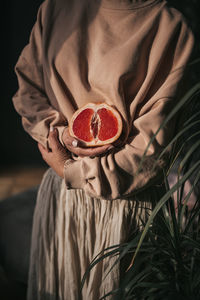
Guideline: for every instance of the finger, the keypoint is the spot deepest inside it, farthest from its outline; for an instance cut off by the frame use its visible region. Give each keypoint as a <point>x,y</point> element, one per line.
<point>97,151</point>
<point>54,142</point>
<point>42,149</point>
<point>92,152</point>
<point>68,140</point>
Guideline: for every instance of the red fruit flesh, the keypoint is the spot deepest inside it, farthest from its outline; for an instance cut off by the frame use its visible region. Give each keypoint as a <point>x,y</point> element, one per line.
<point>81,126</point>
<point>109,124</point>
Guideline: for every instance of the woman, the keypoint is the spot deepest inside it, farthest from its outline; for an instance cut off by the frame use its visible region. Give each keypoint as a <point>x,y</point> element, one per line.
<point>129,54</point>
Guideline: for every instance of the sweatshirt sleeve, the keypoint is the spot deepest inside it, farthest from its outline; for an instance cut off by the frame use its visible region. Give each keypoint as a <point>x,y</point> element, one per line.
<point>115,175</point>
<point>31,100</point>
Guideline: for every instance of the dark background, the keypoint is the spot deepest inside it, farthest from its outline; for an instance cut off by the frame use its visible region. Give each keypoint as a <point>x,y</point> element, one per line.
<point>16,147</point>
<point>18,17</point>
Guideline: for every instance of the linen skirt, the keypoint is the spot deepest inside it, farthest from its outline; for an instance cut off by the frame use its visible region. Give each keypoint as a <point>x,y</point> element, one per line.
<point>70,228</point>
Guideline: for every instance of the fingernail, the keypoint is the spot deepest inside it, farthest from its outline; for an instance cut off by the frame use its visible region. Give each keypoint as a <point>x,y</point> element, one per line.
<point>74,143</point>
<point>111,147</point>
<point>51,128</point>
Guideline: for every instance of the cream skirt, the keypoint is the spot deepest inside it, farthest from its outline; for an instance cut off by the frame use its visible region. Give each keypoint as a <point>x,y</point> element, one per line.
<point>69,230</point>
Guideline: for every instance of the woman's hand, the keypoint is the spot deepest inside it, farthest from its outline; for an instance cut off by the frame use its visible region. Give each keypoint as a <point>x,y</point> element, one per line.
<point>57,156</point>
<point>78,148</point>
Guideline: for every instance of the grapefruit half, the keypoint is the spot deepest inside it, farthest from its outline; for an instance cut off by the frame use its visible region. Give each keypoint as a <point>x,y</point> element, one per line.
<point>96,124</point>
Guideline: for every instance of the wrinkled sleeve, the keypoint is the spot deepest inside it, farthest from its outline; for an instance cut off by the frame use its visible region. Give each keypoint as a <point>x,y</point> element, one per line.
<point>31,100</point>
<point>115,175</point>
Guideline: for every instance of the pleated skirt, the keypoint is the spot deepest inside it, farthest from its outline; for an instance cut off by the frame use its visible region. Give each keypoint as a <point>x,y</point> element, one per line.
<point>70,229</point>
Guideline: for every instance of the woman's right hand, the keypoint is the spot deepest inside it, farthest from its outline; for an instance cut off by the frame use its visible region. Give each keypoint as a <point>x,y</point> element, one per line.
<point>57,155</point>
<point>78,147</point>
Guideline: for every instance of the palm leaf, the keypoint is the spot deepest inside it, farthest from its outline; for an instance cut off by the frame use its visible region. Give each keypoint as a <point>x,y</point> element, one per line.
<point>161,203</point>
<point>191,93</point>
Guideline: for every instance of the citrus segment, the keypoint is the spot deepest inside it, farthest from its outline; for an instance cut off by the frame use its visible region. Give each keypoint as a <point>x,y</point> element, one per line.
<point>81,125</point>
<point>109,124</point>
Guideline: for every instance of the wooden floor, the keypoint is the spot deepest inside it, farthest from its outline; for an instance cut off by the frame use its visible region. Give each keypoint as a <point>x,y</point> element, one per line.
<point>17,179</point>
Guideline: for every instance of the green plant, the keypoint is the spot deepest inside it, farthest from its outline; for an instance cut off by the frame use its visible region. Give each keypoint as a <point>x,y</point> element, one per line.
<point>166,253</point>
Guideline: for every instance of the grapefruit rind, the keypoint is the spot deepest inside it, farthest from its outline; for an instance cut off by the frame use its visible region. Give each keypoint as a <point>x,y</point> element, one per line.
<point>96,141</point>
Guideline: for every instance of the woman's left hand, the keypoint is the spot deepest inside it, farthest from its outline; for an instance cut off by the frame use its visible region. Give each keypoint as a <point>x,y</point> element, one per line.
<point>78,147</point>
<point>57,156</point>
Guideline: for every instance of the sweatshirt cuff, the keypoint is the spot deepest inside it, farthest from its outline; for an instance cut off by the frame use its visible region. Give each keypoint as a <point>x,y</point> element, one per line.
<point>73,174</point>
<point>60,133</point>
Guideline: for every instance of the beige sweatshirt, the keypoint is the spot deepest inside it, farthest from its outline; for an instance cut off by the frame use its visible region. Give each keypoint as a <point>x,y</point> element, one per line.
<point>130,54</point>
